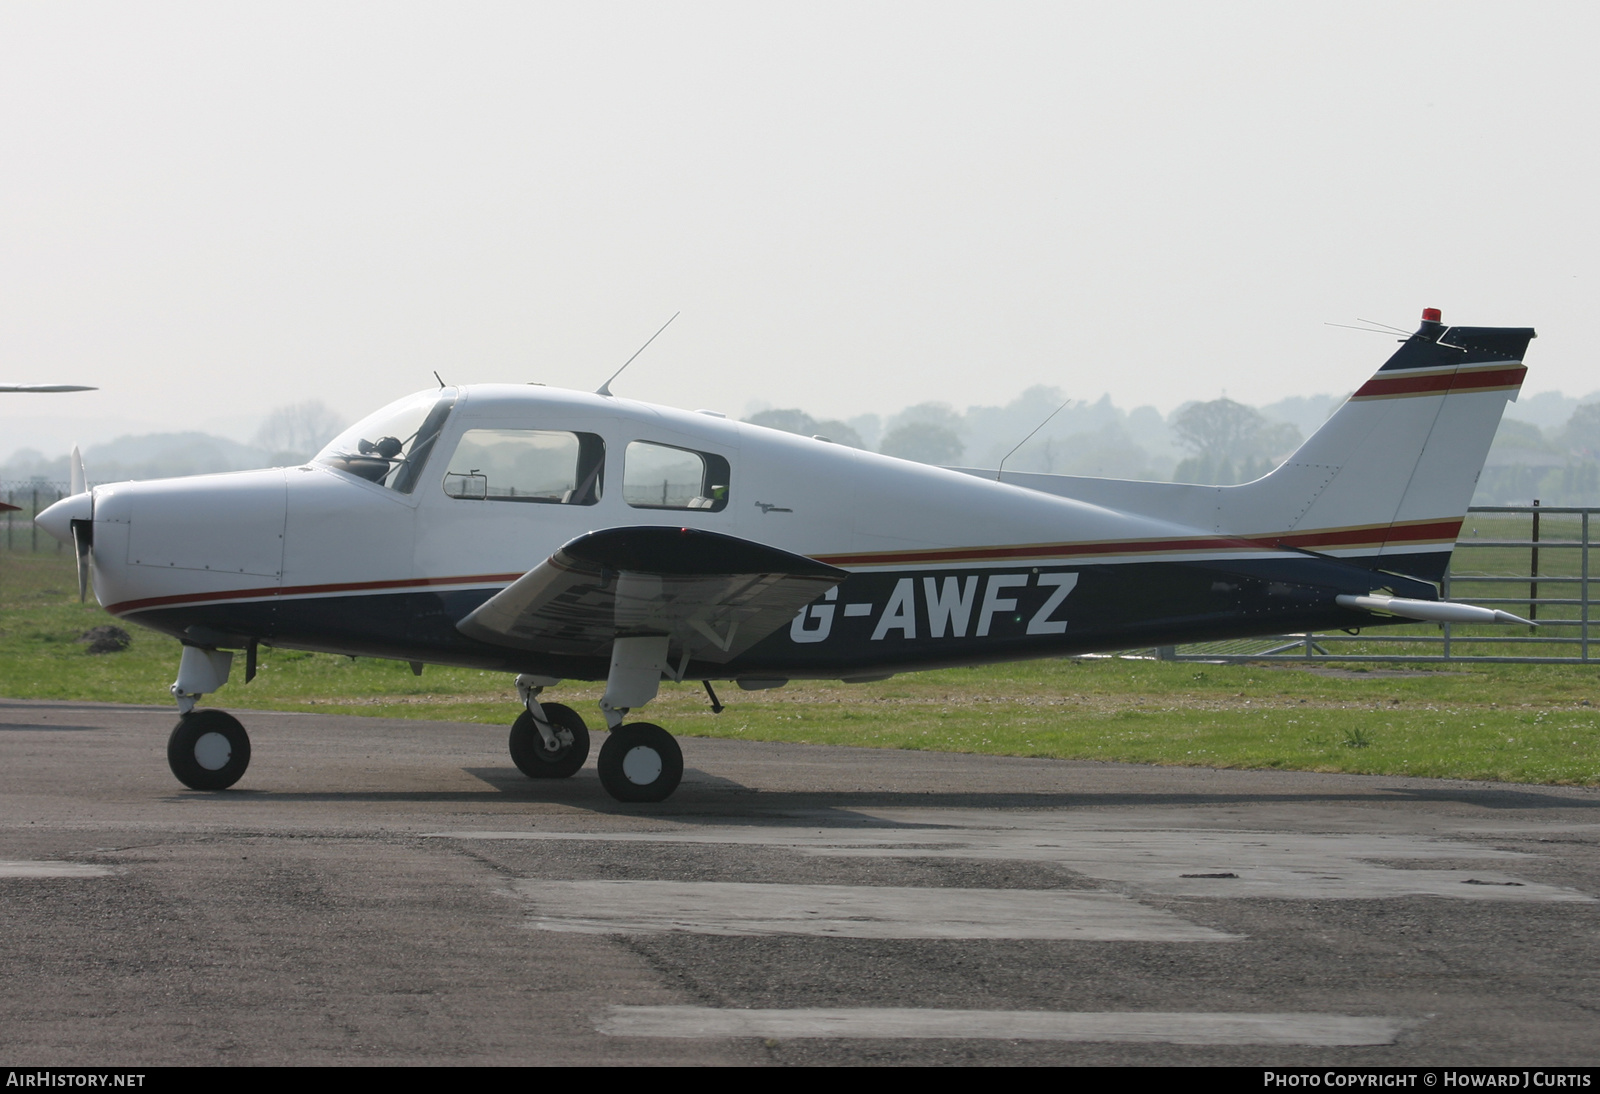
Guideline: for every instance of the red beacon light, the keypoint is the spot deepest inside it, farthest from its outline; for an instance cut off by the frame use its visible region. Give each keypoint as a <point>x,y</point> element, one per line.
<point>1432,315</point>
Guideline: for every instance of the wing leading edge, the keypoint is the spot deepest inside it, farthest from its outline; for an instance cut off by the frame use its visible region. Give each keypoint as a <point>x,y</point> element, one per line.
<point>713,596</point>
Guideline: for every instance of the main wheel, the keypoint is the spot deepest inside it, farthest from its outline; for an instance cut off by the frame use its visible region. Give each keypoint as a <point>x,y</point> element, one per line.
<point>528,749</point>
<point>640,763</point>
<point>208,750</point>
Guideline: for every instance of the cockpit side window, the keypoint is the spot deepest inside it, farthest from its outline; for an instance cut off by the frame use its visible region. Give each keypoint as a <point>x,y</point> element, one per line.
<point>392,446</point>
<point>658,476</point>
<point>527,465</point>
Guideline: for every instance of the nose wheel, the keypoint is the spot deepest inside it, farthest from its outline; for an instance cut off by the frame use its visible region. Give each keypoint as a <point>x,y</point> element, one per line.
<point>208,750</point>
<point>640,762</point>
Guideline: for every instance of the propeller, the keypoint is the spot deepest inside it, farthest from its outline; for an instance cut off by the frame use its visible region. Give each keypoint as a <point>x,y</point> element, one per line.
<point>82,541</point>
<point>82,530</point>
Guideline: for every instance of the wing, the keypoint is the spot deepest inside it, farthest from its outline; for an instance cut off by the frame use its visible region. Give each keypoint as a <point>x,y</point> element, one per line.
<point>713,595</point>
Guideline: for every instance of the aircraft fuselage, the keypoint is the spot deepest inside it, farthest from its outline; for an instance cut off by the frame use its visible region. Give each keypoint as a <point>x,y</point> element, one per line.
<point>945,568</point>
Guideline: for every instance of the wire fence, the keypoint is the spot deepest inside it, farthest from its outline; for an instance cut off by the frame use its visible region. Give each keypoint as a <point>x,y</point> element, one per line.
<point>1530,560</point>
<point>27,499</point>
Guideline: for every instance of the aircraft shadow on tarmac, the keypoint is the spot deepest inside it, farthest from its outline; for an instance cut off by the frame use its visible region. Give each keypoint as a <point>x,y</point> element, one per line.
<point>95,708</point>
<point>702,791</point>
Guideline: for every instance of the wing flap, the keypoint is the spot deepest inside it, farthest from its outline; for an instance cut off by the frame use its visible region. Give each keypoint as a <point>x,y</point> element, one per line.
<point>713,595</point>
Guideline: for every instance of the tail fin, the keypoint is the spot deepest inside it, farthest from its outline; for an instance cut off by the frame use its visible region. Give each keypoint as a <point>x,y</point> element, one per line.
<point>1387,480</point>
<point>1385,483</point>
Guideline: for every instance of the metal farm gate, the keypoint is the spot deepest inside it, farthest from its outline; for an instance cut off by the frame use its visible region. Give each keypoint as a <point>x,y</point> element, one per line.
<point>1531,560</point>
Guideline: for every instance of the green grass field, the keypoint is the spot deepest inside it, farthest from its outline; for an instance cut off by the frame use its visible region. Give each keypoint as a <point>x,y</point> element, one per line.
<point>1519,723</point>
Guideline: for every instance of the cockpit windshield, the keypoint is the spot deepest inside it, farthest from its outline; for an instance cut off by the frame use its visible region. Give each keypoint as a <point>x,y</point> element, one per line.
<point>391,447</point>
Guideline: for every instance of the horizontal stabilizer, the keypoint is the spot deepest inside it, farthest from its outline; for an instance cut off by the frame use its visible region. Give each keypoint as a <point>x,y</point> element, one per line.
<point>1434,611</point>
<point>713,596</point>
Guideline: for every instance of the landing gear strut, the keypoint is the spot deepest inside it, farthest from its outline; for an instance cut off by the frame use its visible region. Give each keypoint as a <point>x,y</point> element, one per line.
<point>639,762</point>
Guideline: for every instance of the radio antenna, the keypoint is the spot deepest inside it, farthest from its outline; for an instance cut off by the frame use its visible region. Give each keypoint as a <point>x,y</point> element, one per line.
<point>1001,470</point>
<point>605,388</point>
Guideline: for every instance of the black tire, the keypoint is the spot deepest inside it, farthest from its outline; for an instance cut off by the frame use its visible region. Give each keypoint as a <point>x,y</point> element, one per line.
<point>536,761</point>
<point>208,750</point>
<point>640,763</point>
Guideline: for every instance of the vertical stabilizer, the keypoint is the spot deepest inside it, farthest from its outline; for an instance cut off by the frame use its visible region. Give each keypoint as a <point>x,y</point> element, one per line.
<point>1388,478</point>
<point>1385,483</point>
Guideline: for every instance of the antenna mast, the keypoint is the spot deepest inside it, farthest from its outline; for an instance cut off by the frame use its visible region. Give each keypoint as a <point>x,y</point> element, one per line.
<point>1001,469</point>
<point>605,388</point>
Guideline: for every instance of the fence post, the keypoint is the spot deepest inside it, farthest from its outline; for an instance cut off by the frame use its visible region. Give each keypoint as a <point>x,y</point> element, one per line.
<point>34,512</point>
<point>1583,584</point>
<point>1533,571</point>
<point>1448,567</point>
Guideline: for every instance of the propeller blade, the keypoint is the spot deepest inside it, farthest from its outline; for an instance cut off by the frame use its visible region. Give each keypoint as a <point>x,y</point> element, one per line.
<point>82,541</point>
<point>79,483</point>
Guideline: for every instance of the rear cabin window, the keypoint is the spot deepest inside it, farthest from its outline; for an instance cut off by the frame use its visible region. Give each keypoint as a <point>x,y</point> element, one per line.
<point>541,466</point>
<point>658,476</point>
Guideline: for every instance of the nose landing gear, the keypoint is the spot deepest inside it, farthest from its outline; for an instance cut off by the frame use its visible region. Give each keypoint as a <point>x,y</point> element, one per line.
<point>208,750</point>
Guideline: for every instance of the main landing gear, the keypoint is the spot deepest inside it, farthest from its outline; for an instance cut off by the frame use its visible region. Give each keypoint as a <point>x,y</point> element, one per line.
<point>548,740</point>
<point>638,762</point>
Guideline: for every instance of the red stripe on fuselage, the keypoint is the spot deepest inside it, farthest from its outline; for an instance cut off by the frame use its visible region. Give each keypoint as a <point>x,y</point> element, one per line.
<point>1374,535</point>
<point>1368,535</point>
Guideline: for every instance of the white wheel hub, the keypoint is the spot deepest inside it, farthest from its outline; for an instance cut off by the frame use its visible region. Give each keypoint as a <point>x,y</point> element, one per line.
<point>642,765</point>
<point>212,751</point>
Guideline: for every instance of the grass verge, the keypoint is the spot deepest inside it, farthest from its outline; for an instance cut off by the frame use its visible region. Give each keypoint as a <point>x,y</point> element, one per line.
<point>1517,723</point>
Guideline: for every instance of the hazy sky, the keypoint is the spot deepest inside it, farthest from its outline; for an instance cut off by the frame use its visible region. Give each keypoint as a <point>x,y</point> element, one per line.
<point>212,209</point>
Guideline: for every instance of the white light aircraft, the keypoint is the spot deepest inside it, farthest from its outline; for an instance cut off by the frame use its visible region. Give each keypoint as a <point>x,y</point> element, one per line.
<point>560,535</point>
